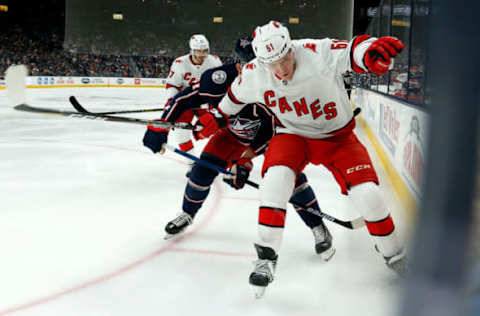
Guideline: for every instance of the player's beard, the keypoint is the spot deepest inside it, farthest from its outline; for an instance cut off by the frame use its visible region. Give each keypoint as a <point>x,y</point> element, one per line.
<point>198,59</point>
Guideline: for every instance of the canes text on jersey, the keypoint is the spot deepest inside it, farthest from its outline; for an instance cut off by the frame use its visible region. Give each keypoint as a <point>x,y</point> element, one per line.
<point>301,107</point>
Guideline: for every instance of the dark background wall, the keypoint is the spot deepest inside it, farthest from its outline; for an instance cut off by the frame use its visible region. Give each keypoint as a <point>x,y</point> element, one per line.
<point>173,21</point>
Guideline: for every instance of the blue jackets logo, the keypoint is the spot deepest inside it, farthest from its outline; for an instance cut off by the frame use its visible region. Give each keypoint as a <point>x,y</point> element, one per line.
<point>219,76</point>
<point>245,128</point>
<point>85,80</point>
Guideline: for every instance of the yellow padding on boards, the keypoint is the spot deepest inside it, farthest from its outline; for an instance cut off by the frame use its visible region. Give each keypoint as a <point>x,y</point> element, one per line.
<point>409,202</point>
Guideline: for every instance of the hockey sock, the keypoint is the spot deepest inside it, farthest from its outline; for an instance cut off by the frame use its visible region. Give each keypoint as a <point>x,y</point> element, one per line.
<point>369,202</point>
<point>198,185</point>
<point>303,194</point>
<point>275,190</point>
<point>182,137</point>
<point>187,146</point>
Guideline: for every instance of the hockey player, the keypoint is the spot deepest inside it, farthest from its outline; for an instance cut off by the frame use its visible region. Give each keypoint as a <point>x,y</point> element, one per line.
<point>184,72</point>
<point>247,136</point>
<point>301,82</point>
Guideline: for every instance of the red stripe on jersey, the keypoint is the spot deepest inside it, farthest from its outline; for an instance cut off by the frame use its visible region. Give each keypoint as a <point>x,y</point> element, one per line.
<point>232,97</point>
<point>186,146</point>
<point>271,216</point>
<point>382,227</point>
<point>172,86</point>
<point>355,43</point>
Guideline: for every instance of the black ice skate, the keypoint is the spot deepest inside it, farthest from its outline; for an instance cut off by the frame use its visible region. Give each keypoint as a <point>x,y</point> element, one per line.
<point>398,263</point>
<point>262,274</point>
<point>323,242</point>
<point>178,225</point>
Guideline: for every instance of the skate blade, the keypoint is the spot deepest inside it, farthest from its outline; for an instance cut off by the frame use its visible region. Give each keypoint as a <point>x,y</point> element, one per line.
<point>171,236</point>
<point>259,291</point>
<point>328,254</point>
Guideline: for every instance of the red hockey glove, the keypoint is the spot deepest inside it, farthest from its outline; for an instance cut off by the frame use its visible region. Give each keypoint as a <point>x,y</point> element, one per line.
<point>209,123</point>
<point>240,171</point>
<point>378,56</point>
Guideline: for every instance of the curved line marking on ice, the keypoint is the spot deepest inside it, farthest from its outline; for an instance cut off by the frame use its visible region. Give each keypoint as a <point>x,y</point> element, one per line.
<point>103,278</point>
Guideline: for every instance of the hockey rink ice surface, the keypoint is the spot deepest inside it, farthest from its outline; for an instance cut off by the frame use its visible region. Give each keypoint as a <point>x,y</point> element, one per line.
<point>83,207</point>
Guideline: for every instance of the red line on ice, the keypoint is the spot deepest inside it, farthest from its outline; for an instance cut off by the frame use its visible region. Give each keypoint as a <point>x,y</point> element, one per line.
<point>124,269</point>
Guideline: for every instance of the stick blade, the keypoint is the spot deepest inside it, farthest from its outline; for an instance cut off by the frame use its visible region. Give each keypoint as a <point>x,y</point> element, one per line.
<point>15,82</point>
<point>77,105</point>
<point>358,223</point>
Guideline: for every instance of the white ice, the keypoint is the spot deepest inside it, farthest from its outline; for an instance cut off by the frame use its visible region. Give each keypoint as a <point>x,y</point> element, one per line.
<point>83,206</point>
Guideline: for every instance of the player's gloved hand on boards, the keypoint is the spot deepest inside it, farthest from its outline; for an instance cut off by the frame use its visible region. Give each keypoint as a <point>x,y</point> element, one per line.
<point>378,55</point>
<point>240,171</point>
<point>154,138</point>
<point>209,123</point>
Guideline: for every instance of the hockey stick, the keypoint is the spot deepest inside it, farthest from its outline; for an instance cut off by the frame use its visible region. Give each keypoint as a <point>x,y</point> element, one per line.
<point>81,109</point>
<point>354,224</point>
<point>102,117</point>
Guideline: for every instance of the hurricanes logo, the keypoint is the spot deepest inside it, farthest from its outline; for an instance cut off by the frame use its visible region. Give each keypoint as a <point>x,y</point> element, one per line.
<point>219,76</point>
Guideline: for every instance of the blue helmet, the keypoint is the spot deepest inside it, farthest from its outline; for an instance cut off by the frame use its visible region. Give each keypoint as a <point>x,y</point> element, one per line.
<point>243,49</point>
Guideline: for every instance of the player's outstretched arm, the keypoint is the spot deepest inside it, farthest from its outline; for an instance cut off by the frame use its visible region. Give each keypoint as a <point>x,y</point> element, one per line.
<point>187,99</point>
<point>374,55</point>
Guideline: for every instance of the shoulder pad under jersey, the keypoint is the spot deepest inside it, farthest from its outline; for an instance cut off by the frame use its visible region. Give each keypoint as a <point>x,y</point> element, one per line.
<point>216,80</point>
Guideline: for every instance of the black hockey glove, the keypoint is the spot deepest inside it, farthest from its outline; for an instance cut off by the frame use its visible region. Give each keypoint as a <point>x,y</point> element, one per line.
<point>154,138</point>
<point>240,171</point>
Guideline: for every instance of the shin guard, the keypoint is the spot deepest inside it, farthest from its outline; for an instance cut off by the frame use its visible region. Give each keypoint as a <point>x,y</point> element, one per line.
<point>370,204</point>
<point>304,194</point>
<point>198,185</point>
<point>276,189</point>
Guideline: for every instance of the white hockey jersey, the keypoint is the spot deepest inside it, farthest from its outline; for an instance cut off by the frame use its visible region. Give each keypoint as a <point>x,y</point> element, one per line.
<point>184,73</point>
<point>314,103</point>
